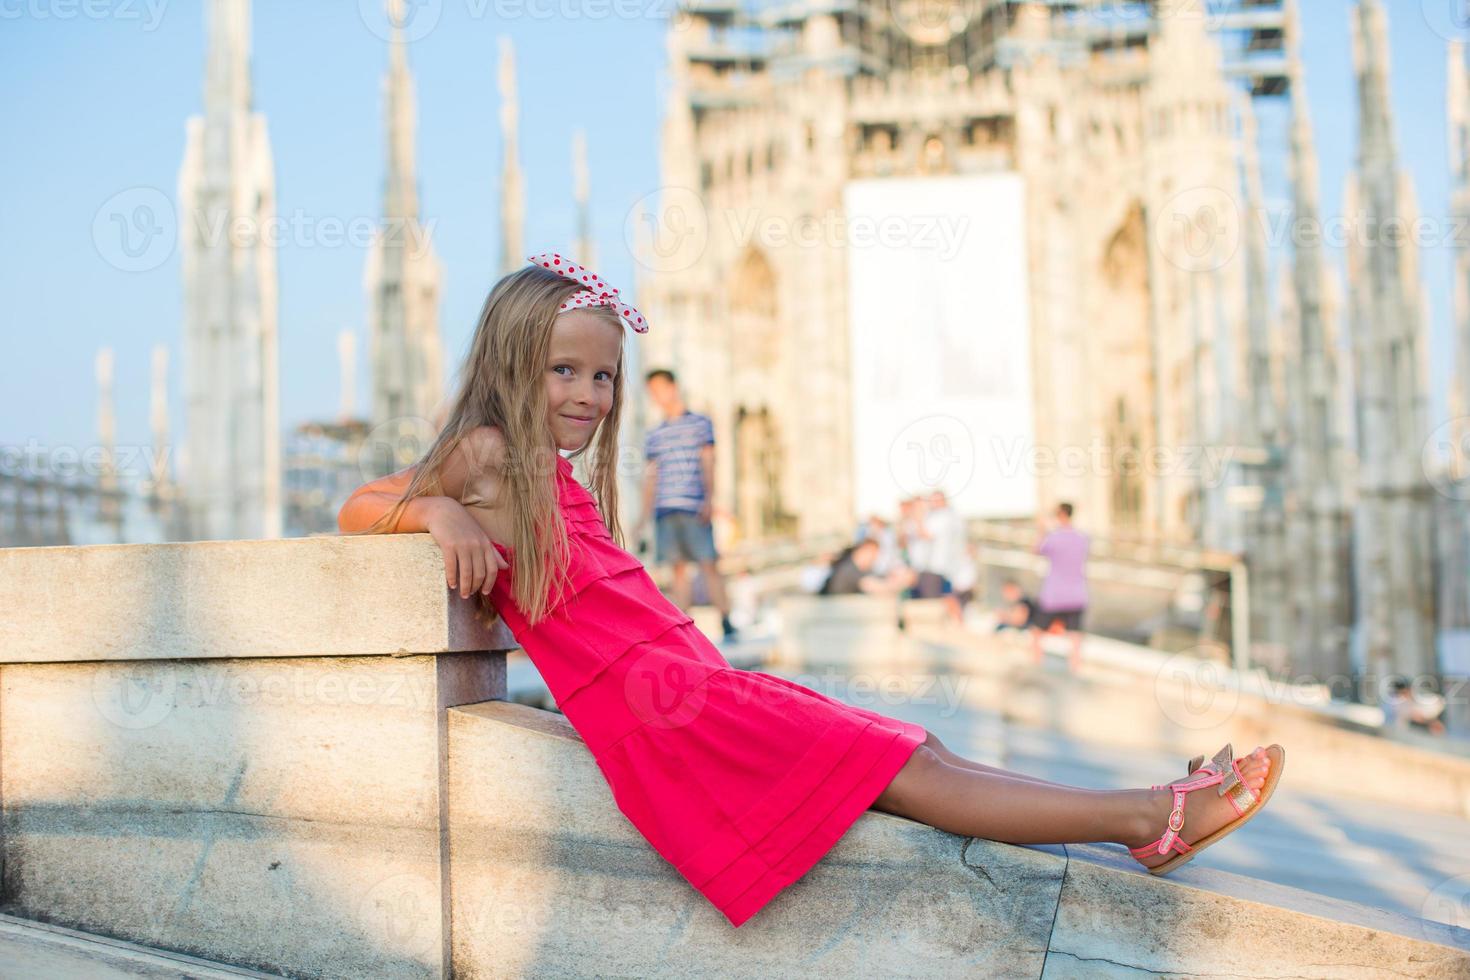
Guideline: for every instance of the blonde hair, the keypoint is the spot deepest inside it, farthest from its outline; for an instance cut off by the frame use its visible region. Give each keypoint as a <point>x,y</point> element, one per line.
<point>501,383</point>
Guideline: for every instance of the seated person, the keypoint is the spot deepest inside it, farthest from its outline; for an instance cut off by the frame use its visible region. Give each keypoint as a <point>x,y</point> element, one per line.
<point>1403,708</point>
<point>852,573</point>
<point>1018,611</point>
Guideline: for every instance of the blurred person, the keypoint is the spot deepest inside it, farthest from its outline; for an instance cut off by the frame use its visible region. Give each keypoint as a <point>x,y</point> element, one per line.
<point>1017,611</point>
<point>912,545</point>
<point>1063,596</point>
<point>815,573</point>
<point>945,531</point>
<point>679,490</point>
<point>852,573</point>
<point>1403,709</point>
<point>966,575</point>
<point>886,535</point>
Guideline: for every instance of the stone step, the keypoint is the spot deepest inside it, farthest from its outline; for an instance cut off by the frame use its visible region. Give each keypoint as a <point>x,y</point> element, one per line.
<point>549,878</point>
<point>41,951</point>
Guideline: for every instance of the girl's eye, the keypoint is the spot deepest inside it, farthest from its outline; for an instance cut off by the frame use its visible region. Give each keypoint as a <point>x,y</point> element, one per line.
<point>568,366</point>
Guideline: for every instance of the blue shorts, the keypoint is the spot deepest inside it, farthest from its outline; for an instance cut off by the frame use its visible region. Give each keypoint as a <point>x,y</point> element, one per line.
<point>679,535</point>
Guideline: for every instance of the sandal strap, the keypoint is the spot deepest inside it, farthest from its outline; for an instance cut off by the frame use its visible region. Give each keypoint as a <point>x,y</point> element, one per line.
<point>1222,770</point>
<point>1232,785</point>
<point>1177,844</point>
<point>1209,774</point>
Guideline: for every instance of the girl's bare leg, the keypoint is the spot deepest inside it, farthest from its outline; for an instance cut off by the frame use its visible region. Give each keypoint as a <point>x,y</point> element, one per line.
<point>961,762</point>
<point>974,803</point>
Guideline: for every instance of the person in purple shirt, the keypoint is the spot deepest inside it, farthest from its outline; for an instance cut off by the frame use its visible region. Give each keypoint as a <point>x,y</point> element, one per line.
<point>1063,596</point>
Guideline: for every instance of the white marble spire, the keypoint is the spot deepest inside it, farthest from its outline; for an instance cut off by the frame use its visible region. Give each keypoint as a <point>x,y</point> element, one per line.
<point>581,191</point>
<point>403,276</point>
<point>1458,110</point>
<point>230,348</point>
<point>1318,524</point>
<point>346,375</point>
<point>1394,516</point>
<point>159,475</point>
<point>106,419</point>
<point>512,183</point>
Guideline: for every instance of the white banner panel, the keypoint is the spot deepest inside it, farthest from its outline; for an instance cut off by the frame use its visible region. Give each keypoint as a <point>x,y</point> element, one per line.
<point>940,342</point>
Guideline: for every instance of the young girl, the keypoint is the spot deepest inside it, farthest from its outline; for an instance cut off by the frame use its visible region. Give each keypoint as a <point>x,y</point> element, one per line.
<point>740,779</point>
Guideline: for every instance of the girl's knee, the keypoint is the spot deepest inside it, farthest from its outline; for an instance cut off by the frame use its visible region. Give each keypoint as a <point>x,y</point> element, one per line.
<point>913,783</point>
<point>933,744</point>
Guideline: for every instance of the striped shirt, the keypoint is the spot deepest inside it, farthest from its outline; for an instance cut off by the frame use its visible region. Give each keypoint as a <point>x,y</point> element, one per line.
<point>675,445</point>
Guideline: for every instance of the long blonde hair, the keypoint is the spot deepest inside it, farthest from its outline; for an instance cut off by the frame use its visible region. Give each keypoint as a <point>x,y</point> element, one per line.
<point>501,383</point>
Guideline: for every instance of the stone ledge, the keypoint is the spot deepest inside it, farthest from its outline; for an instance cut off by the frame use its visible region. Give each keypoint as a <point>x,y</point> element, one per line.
<point>1158,701</point>
<point>327,596</point>
<point>39,949</point>
<point>548,877</point>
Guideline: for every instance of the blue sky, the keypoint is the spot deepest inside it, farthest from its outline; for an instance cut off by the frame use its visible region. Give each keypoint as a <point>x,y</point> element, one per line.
<point>100,91</point>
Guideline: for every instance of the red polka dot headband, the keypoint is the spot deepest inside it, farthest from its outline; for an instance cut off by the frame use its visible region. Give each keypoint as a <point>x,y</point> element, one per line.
<point>596,292</point>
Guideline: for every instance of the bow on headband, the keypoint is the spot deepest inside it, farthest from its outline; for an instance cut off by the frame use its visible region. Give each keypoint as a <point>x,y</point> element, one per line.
<point>596,292</point>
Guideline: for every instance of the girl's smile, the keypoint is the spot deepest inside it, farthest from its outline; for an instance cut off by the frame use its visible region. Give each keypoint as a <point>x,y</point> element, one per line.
<point>581,374</point>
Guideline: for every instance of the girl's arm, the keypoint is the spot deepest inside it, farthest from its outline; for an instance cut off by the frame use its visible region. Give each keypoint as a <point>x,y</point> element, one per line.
<point>470,559</point>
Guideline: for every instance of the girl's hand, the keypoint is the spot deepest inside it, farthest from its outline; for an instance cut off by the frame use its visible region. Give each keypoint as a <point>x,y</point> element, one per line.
<point>470,559</point>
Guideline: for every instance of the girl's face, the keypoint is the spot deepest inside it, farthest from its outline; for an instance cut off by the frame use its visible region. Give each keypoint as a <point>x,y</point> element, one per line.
<point>579,375</point>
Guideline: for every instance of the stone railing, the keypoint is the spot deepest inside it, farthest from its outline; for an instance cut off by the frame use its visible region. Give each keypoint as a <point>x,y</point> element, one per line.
<point>236,749</point>
<point>294,756</point>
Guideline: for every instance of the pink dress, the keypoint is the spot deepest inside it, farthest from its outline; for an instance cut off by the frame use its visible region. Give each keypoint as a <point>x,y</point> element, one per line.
<point>740,779</point>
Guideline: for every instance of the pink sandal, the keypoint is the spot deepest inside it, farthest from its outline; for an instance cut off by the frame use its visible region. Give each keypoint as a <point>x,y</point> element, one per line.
<point>1223,771</point>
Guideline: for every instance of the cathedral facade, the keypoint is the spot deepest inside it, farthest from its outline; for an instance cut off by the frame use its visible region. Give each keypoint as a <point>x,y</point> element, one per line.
<point>1128,146</point>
